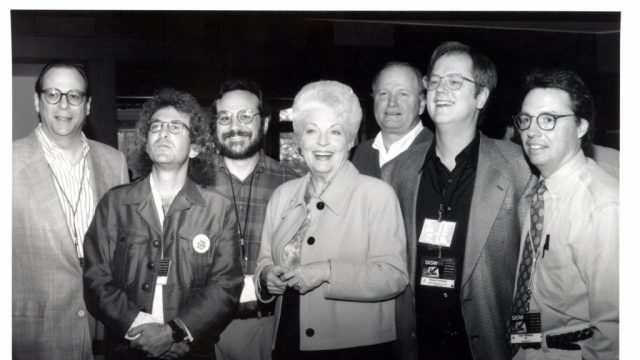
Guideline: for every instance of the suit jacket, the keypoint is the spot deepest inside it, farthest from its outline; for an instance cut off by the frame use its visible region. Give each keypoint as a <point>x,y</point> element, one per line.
<point>50,320</point>
<point>491,249</point>
<point>366,158</point>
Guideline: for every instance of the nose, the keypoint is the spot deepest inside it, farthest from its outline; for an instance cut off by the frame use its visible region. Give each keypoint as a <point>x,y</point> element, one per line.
<point>164,129</point>
<point>322,138</point>
<point>534,129</point>
<point>393,100</point>
<point>64,101</point>
<point>235,123</point>
<point>441,86</point>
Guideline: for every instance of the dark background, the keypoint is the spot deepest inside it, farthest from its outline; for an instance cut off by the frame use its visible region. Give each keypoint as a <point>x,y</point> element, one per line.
<point>130,54</point>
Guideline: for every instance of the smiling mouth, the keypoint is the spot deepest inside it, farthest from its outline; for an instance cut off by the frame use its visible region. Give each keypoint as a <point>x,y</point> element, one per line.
<point>443,103</point>
<point>322,155</point>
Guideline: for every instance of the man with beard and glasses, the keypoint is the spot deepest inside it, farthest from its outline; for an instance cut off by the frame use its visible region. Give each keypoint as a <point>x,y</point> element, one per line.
<point>247,177</point>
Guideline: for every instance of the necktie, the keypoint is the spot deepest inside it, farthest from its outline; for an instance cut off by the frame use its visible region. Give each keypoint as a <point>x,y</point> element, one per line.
<point>520,303</point>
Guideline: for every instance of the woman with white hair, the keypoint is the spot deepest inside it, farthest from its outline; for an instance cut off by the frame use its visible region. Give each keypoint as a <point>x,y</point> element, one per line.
<point>333,243</point>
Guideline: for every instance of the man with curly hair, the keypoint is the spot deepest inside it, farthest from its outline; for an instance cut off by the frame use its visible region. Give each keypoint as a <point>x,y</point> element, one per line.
<point>163,265</point>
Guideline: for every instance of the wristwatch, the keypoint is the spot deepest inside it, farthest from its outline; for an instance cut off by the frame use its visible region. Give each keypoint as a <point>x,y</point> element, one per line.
<point>179,335</point>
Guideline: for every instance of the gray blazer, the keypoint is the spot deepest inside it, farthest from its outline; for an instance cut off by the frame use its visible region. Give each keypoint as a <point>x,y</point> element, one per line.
<point>491,250</point>
<point>50,320</point>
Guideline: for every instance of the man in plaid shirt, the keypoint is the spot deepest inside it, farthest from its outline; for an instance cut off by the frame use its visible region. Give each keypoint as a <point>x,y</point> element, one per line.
<point>248,177</point>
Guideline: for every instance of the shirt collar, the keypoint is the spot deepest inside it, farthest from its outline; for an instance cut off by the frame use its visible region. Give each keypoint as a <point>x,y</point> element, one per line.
<point>50,147</point>
<point>218,163</point>
<point>397,147</point>
<point>560,179</point>
<point>468,155</point>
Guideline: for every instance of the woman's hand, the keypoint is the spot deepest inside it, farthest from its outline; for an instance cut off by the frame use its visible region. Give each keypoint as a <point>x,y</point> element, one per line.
<point>307,277</point>
<point>271,277</point>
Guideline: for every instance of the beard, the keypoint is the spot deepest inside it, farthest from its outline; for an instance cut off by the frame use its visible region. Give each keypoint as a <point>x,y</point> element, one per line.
<point>252,148</point>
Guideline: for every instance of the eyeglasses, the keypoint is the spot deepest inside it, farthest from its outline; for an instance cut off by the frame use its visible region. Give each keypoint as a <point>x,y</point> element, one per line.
<point>53,96</point>
<point>452,81</point>
<point>244,116</point>
<point>175,126</point>
<point>545,121</point>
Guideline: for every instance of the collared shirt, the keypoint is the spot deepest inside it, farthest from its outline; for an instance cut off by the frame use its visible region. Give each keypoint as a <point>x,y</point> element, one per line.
<point>575,282</point>
<point>444,195</point>
<point>74,186</point>
<point>397,147</point>
<point>250,199</point>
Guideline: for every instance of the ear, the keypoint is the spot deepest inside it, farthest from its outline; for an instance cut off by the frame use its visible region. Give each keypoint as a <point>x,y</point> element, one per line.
<point>583,127</point>
<point>88,105</point>
<point>266,124</point>
<point>195,150</point>
<point>423,102</point>
<point>36,101</point>
<point>482,98</point>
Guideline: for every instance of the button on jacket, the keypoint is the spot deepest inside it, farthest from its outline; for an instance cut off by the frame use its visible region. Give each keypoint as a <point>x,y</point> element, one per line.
<point>359,230</point>
<point>123,246</point>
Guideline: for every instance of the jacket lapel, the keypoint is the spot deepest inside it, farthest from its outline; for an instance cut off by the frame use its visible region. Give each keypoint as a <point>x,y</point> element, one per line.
<point>140,195</point>
<point>489,191</point>
<point>41,182</point>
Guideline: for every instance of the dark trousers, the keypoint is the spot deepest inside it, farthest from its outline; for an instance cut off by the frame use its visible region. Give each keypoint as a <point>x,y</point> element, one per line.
<point>288,339</point>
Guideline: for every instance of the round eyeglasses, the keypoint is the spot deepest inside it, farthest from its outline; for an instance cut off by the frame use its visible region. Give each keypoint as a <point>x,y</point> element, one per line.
<point>545,121</point>
<point>225,117</point>
<point>175,126</point>
<point>451,81</point>
<point>53,96</point>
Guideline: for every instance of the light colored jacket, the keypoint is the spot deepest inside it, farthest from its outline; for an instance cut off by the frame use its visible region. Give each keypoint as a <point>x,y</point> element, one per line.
<point>360,232</point>
<point>50,320</point>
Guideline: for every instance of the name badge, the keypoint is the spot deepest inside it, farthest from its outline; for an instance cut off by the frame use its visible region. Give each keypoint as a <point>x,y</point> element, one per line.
<point>436,232</point>
<point>438,272</point>
<point>249,290</point>
<point>526,328</point>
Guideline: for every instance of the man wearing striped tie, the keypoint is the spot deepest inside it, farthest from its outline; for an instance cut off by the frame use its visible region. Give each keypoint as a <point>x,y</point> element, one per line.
<point>58,178</point>
<point>565,303</point>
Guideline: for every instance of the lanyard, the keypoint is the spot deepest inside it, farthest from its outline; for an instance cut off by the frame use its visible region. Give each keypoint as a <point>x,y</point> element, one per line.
<point>242,231</point>
<point>74,210</point>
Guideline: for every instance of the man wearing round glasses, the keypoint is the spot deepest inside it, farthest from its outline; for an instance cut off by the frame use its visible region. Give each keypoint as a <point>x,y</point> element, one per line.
<point>58,177</point>
<point>247,177</point>
<point>162,258</point>
<point>459,194</point>
<point>573,282</point>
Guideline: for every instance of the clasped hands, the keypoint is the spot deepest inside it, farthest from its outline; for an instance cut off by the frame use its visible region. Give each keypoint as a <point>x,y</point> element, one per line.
<point>303,278</point>
<point>156,340</point>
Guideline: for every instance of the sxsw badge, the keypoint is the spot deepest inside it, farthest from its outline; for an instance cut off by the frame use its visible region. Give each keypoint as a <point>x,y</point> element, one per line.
<point>526,328</point>
<point>201,243</point>
<point>438,272</point>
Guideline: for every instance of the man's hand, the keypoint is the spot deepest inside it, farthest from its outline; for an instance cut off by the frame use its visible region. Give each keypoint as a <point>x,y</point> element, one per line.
<point>155,339</point>
<point>176,351</point>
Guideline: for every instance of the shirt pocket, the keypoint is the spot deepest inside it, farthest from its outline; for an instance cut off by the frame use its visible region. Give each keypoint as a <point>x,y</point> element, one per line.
<point>130,248</point>
<point>195,251</point>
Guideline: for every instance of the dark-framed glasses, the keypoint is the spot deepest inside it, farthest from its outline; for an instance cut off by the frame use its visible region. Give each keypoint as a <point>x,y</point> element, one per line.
<point>175,126</point>
<point>53,96</point>
<point>225,117</point>
<point>545,121</point>
<point>451,81</point>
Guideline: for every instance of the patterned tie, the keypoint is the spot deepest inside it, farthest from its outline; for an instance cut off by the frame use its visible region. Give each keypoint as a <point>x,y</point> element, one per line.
<point>520,303</point>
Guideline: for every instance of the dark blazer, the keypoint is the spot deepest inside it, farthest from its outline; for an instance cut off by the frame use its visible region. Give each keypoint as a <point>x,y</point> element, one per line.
<point>50,320</point>
<point>491,250</point>
<point>366,158</point>
<point>123,246</point>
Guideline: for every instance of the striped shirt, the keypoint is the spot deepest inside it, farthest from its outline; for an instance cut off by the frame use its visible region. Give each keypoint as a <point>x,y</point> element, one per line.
<point>74,186</point>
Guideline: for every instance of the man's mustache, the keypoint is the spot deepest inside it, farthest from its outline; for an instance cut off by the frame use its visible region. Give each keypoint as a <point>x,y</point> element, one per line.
<point>231,133</point>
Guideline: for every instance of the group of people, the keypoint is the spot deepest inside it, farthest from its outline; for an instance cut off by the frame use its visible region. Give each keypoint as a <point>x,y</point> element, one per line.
<point>442,244</point>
